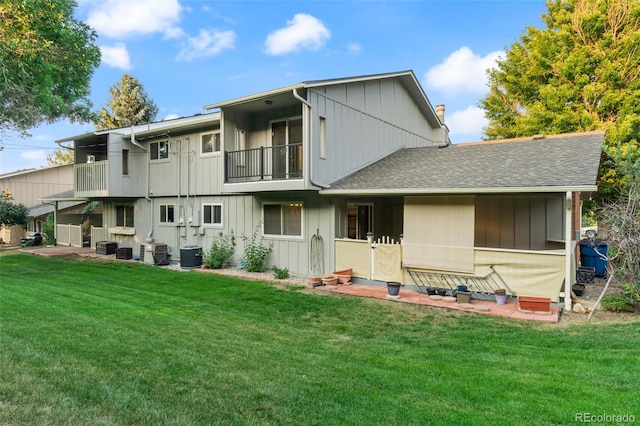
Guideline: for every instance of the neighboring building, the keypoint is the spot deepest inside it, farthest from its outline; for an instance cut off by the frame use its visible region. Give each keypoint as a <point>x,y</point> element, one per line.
<point>29,186</point>
<point>318,166</point>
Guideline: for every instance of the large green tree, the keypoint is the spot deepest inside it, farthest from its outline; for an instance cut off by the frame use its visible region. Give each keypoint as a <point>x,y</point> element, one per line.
<point>129,105</point>
<point>47,58</point>
<point>12,213</point>
<point>580,73</point>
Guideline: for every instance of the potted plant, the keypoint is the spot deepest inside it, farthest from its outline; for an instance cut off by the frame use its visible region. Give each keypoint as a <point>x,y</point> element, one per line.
<point>393,288</point>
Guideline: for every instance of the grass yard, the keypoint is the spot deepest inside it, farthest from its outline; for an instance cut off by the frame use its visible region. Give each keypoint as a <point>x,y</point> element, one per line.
<point>88,342</point>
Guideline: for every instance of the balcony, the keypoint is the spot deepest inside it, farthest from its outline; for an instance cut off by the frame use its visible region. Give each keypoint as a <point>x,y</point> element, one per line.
<point>91,179</point>
<point>282,162</point>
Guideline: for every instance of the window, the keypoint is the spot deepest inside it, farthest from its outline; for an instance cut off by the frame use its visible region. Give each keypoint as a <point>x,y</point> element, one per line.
<point>167,213</point>
<point>212,214</point>
<point>159,150</point>
<point>210,143</point>
<point>323,137</point>
<point>125,162</point>
<point>359,220</point>
<point>124,216</point>
<point>283,219</point>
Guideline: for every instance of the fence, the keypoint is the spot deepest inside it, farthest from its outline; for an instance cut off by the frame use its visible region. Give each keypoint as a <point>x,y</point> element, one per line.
<point>69,235</point>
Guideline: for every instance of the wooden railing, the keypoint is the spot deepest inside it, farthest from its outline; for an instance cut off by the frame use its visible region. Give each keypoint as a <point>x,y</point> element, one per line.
<point>265,163</point>
<point>91,179</point>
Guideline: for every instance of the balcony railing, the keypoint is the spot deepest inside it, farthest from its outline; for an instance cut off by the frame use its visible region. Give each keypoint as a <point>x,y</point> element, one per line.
<point>281,162</point>
<point>91,179</point>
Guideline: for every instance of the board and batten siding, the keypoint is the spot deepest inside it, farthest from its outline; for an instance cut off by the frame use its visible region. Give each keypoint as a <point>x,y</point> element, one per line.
<point>365,121</point>
<point>438,233</point>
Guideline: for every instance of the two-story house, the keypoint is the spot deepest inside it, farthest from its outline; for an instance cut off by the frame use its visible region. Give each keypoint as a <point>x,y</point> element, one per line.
<point>319,166</point>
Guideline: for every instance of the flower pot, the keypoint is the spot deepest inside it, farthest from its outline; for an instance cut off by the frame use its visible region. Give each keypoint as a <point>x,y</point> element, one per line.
<point>393,288</point>
<point>329,280</point>
<point>315,281</point>
<point>463,297</point>
<point>500,292</point>
<point>578,289</point>
<point>531,303</point>
<point>501,299</point>
<point>432,290</point>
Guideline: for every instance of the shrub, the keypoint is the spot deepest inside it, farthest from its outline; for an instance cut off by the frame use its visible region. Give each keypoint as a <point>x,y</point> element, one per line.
<point>280,273</point>
<point>614,303</point>
<point>221,250</point>
<point>255,252</point>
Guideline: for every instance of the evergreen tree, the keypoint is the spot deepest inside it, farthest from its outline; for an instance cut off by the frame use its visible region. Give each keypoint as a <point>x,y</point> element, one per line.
<point>129,105</point>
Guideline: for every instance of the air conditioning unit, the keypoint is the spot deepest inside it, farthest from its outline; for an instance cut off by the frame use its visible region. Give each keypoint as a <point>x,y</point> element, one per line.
<point>156,254</point>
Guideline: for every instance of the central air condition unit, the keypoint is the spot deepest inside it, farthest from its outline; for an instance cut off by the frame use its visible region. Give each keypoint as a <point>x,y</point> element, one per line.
<point>156,254</point>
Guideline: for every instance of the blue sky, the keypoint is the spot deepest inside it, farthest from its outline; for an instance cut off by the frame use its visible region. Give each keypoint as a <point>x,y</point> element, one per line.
<point>190,53</point>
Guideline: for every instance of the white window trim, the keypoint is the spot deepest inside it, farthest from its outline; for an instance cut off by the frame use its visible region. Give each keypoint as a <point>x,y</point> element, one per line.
<point>160,160</point>
<point>279,236</point>
<point>213,225</point>
<point>213,153</point>
<point>174,215</point>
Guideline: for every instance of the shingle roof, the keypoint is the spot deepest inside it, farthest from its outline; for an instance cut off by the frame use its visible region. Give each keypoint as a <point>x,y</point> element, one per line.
<point>562,161</point>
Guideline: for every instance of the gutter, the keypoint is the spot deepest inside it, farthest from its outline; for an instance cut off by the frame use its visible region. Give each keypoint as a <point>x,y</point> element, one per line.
<point>443,191</point>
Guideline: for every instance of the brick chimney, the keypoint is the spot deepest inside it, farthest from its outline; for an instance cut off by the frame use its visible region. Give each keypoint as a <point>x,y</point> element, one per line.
<point>440,112</point>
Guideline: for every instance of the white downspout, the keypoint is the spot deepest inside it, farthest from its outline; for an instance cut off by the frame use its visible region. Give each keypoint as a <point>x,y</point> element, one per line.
<point>146,195</point>
<point>309,137</point>
<point>568,250</point>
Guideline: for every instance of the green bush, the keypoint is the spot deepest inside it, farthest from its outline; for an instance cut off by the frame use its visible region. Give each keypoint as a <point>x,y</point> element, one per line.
<point>255,252</point>
<point>280,273</point>
<point>614,302</point>
<point>221,250</point>
<point>48,230</point>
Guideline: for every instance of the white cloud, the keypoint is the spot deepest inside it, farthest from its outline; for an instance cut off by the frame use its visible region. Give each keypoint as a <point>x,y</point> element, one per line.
<point>116,56</point>
<point>33,155</point>
<point>126,18</point>
<point>462,72</point>
<point>354,48</point>
<point>302,32</point>
<point>170,117</point>
<point>207,43</point>
<point>469,121</point>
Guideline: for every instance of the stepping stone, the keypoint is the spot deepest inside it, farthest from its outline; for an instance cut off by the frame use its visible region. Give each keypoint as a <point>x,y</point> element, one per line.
<point>482,308</point>
<point>449,299</point>
<point>465,305</point>
<point>435,297</point>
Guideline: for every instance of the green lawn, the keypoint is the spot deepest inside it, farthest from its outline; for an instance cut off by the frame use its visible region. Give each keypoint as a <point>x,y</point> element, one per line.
<point>86,342</point>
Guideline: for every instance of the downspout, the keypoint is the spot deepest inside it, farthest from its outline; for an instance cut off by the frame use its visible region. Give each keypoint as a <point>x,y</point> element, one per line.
<point>568,250</point>
<point>309,137</point>
<point>146,195</point>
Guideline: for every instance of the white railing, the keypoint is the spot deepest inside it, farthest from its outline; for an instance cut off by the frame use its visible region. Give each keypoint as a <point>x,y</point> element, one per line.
<point>69,235</point>
<point>91,179</point>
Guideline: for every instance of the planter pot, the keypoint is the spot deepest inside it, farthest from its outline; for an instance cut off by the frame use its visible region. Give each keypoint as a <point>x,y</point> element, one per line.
<point>441,292</point>
<point>343,272</point>
<point>342,279</point>
<point>501,292</point>
<point>531,303</point>
<point>501,299</point>
<point>432,290</point>
<point>463,297</point>
<point>329,280</point>
<point>315,281</point>
<point>578,289</point>
<point>393,288</point>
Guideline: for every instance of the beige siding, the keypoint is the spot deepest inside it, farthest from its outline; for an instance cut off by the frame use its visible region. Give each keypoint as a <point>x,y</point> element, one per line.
<point>353,254</point>
<point>438,233</point>
<point>28,187</point>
